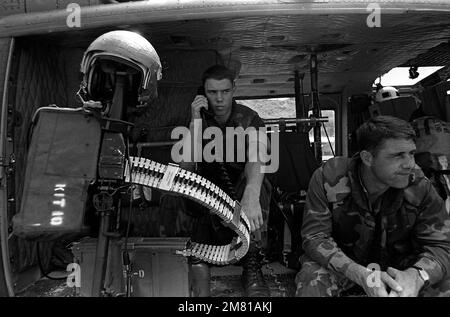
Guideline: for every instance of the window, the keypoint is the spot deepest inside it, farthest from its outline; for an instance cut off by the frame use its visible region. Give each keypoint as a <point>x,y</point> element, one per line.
<point>272,108</point>
<point>399,76</point>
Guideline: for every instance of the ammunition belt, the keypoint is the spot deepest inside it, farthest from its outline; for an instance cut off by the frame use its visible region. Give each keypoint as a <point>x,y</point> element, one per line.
<point>172,178</point>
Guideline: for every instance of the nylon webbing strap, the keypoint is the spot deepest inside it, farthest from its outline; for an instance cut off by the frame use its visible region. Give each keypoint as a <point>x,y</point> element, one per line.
<point>174,179</point>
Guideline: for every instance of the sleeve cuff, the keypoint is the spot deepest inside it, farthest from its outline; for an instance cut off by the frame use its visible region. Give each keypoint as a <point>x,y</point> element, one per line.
<point>433,268</point>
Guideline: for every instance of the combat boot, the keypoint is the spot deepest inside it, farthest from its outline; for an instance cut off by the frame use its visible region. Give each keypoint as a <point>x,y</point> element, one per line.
<point>252,278</point>
<point>200,276</point>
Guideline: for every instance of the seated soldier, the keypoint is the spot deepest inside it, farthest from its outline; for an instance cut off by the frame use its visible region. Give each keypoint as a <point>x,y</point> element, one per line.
<point>374,221</point>
<point>242,180</point>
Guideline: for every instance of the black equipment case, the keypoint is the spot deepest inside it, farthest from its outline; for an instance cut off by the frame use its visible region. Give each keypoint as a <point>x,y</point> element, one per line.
<point>61,163</point>
<point>156,268</point>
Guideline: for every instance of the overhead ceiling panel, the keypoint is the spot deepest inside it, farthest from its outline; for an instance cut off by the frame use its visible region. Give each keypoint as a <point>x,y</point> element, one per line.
<point>350,54</point>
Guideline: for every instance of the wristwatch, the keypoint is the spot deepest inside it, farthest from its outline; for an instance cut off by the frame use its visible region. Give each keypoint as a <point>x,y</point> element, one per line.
<point>423,275</point>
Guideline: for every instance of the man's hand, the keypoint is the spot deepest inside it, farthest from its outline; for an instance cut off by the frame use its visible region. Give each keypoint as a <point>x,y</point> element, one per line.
<point>386,283</point>
<point>409,279</point>
<point>252,209</point>
<point>374,285</point>
<point>196,105</point>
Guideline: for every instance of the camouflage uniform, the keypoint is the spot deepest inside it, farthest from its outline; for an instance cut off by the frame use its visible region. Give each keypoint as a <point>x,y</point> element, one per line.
<point>339,228</point>
<point>209,228</point>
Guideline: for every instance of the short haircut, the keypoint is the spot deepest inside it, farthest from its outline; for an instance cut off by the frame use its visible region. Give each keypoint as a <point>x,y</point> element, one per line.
<point>372,133</point>
<point>218,72</point>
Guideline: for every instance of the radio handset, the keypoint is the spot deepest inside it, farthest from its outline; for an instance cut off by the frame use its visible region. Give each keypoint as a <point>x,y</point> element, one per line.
<point>204,112</point>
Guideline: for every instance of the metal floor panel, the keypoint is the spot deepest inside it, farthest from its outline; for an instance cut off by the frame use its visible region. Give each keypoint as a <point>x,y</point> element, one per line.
<point>225,282</point>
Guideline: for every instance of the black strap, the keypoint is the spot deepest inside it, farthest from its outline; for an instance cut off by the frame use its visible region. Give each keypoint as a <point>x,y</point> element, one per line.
<point>375,248</point>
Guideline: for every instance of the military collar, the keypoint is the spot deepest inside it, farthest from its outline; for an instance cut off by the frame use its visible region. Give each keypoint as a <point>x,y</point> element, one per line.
<point>356,185</point>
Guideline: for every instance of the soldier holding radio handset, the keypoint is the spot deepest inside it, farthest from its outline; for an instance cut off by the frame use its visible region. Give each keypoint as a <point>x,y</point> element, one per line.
<point>214,107</point>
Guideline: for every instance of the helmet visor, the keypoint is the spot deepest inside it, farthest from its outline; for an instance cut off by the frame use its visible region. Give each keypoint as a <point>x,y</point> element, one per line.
<point>102,78</point>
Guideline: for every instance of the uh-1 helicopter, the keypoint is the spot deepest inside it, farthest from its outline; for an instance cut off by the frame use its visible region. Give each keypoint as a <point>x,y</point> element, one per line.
<point>304,65</point>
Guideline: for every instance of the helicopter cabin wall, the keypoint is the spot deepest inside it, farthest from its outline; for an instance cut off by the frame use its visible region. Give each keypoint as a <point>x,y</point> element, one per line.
<point>37,78</point>
<point>5,45</point>
<point>436,100</point>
